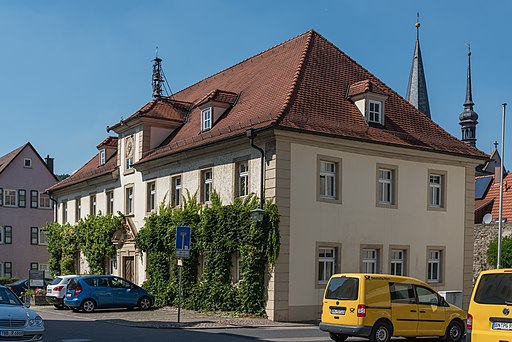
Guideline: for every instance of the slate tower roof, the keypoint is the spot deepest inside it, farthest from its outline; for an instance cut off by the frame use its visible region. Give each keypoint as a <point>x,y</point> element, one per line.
<point>417,88</point>
<point>468,119</point>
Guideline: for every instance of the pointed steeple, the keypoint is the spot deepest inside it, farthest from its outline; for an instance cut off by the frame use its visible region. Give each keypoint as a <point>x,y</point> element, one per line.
<point>468,119</point>
<point>417,88</point>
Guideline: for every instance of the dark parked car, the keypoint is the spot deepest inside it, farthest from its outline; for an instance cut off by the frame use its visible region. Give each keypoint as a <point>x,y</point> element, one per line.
<point>87,293</point>
<point>17,321</point>
<point>22,285</point>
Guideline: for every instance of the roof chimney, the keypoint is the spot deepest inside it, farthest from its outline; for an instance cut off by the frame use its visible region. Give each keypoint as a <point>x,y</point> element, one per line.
<point>49,163</point>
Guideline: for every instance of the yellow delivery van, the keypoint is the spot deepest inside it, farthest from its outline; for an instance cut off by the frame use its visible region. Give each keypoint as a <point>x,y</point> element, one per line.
<point>379,306</point>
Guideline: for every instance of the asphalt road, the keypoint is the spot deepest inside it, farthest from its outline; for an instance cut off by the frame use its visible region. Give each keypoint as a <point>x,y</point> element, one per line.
<point>62,327</point>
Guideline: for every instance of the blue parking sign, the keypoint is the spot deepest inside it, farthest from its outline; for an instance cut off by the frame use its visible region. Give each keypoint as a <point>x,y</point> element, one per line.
<point>182,241</point>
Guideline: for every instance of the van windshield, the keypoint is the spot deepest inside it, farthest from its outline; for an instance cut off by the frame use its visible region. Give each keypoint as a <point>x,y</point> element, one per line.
<point>494,289</point>
<point>342,288</point>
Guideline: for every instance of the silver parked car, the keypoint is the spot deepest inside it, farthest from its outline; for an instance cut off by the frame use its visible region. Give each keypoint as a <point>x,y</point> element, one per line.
<point>17,321</point>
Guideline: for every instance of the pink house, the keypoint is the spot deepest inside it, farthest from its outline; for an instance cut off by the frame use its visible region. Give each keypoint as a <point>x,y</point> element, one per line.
<point>25,209</point>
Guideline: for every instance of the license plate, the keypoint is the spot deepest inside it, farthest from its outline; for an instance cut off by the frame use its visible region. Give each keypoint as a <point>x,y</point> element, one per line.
<point>502,325</point>
<point>10,333</point>
<point>49,291</point>
<point>338,311</point>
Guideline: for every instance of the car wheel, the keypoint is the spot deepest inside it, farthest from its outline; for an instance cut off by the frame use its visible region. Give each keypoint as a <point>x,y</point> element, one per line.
<point>381,332</point>
<point>337,337</point>
<point>88,305</point>
<point>454,332</point>
<point>144,303</point>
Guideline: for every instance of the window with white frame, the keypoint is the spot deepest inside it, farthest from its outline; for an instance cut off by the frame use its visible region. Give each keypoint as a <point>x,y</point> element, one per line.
<point>102,157</point>
<point>150,196</point>
<point>397,262</point>
<point>434,266</point>
<point>6,235</point>
<point>27,163</point>
<point>326,264</point>
<point>370,260</point>
<point>386,191</point>
<point>375,112</point>
<point>92,205</point>
<point>22,198</point>
<point>207,184</point>
<point>176,191</point>
<point>436,190</point>
<point>42,237</point>
<point>34,199</point>
<point>10,198</point>
<point>129,163</point>
<point>44,267</point>
<point>38,236</point>
<point>243,178</point>
<point>64,212</point>
<point>129,200</point>
<point>327,179</point>
<point>206,119</point>
<point>78,208</point>
<point>44,201</point>
<point>34,266</point>
<point>7,269</point>
<point>110,202</point>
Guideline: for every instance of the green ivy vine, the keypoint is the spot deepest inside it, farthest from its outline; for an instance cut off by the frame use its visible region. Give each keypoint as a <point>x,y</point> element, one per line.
<point>218,231</point>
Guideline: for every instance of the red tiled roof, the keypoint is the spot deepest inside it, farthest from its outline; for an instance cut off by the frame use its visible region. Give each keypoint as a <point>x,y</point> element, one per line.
<point>219,96</point>
<point>91,169</point>
<point>493,195</point>
<point>109,141</point>
<point>362,87</point>
<point>301,85</point>
<point>6,159</point>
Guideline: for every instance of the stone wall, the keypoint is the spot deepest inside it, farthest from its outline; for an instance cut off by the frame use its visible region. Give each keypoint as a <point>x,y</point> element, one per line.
<point>484,234</point>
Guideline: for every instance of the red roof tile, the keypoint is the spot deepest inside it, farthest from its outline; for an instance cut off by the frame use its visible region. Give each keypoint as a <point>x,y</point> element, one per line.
<point>6,159</point>
<point>493,195</point>
<point>109,141</point>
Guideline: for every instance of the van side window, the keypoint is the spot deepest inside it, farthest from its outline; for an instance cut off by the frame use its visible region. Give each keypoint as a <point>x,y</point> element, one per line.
<point>402,293</point>
<point>426,296</point>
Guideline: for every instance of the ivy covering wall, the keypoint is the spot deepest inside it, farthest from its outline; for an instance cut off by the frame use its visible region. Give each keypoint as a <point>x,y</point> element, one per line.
<point>218,232</point>
<point>92,236</point>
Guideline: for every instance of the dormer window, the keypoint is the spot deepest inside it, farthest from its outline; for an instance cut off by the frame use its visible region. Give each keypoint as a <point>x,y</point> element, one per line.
<point>206,119</point>
<point>375,112</point>
<point>102,157</point>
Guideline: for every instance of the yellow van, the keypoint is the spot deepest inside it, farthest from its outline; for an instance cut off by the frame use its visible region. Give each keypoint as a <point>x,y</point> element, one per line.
<point>490,309</point>
<point>378,306</point>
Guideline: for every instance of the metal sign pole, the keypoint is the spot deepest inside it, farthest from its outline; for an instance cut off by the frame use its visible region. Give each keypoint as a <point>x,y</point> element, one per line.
<point>179,291</point>
<point>500,215</point>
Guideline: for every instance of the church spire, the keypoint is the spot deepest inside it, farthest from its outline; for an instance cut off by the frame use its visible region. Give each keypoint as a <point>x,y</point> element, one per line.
<point>417,88</point>
<point>468,119</point>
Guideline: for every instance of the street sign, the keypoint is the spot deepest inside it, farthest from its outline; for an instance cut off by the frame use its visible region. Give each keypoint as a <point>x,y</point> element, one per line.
<point>183,242</point>
<point>180,262</point>
<point>36,278</point>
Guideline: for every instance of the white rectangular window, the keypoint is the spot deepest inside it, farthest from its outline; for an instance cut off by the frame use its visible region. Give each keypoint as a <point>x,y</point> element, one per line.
<point>206,119</point>
<point>436,190</point>
<point>64,212</point>
<point>27,163</point>
<point>42,237</point>
<point>10,198</point>
<point>398,262</point>
<point>207,185</point>
<point>176,188</point>
<point>150,196</point>
<point>129,163</point>
<point>375,112</point>
<point>327,180</point>
<point>243,178</point>
<point>92,205</point>
<point>370,256</point>
<point>44,267</point>
<point>386,186</point>
<point>102,157</point>
<point>78,209</point>
<point>110,202</point>
<point>34,199</point>
<point>44,201</point>
<point>434,266</point>
<point>6,235</point>
<point>8,269</point>
<point>129,200</point>
<point>22,198</point>
<point>326,264</point>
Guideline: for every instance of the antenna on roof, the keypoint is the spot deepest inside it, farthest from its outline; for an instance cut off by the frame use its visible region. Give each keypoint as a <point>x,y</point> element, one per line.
<point>159,80</point>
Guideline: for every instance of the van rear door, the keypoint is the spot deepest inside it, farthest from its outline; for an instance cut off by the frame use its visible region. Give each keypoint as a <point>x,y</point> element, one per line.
<point>340,301</point>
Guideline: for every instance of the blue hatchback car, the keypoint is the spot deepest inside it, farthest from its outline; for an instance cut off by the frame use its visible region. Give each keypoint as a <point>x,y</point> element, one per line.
<point>87,293</point>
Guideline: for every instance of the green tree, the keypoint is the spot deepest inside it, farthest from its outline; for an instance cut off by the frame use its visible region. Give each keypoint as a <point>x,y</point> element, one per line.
<point>506,252</point>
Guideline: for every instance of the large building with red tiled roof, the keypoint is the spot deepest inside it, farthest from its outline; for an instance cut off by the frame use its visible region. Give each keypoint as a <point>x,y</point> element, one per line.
<point>363,180</point>
<point>25,209</point>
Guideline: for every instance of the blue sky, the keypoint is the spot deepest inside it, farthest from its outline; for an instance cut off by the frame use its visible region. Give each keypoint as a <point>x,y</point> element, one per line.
<point>70,68</point>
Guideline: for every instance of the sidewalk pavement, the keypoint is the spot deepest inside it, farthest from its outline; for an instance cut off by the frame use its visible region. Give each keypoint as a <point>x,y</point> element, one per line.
<point>167,318</point>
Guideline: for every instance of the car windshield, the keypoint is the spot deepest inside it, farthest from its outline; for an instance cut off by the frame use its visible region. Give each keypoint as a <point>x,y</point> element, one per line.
<point>342,288</point>
<point>56,281</point>
<point>494,289</point>
<point>7,297</point>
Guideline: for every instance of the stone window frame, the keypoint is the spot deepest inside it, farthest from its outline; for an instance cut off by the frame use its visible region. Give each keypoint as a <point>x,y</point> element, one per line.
<point>126,188</point>
<point>378,247</point>
<point>78,208</point>
<point>406,249</point>
<point>444,195</point>
<point>109,201</point>
<point>337,186</point>
<point>394,186</point>
<point>442,265</point>
<point>337,257</point>
<point>175,199</point>
<point>151,196</point>
<point>236,175</point>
